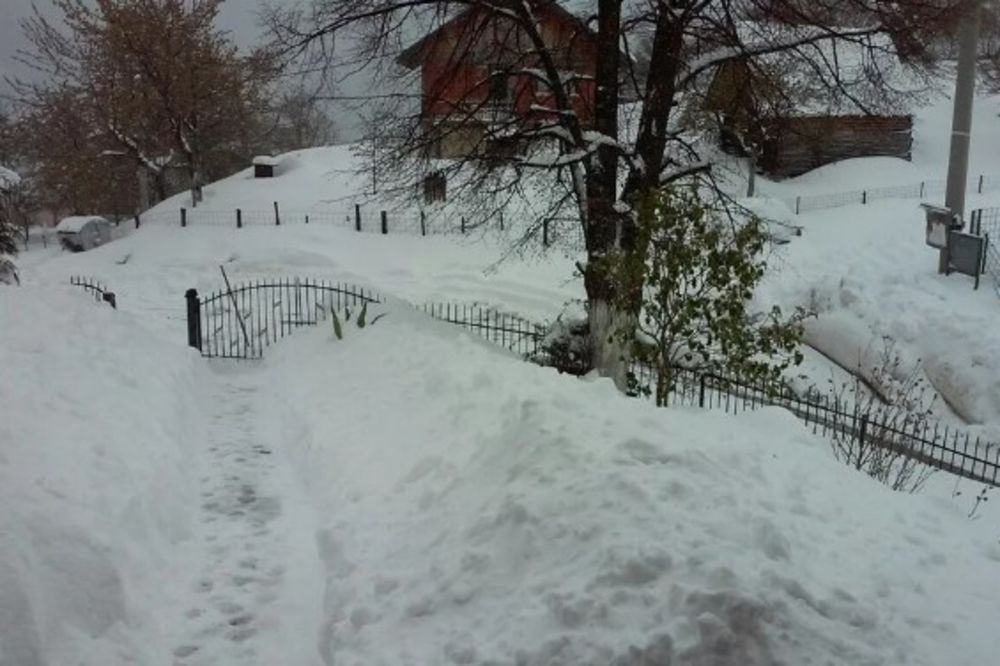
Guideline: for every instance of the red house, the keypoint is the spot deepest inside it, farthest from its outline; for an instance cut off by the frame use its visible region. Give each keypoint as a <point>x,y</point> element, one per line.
<point>482,81</point>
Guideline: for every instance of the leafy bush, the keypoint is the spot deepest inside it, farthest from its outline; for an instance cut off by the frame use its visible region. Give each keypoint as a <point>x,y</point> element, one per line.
<point>692,289</point>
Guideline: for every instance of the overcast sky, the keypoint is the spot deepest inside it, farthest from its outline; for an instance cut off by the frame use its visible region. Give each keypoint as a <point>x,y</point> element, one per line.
<point>237,16</point>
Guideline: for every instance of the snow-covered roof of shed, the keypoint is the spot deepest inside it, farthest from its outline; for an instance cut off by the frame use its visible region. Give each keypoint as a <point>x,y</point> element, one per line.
<point>265,160</point>
<point>76,223</point>
<point>8,179</point>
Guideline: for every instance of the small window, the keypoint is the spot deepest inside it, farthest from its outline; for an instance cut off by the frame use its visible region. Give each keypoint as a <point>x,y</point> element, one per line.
<point>499,91</point>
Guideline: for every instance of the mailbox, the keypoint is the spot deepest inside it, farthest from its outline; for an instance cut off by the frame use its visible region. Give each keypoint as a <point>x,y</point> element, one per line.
<point>940,222</point>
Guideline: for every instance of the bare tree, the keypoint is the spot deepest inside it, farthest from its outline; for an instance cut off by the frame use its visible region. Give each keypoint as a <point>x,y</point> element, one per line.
<point>577,77</point>
<point>153,80</point>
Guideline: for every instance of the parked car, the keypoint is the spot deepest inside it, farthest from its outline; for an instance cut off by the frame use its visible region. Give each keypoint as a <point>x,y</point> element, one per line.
<point>83,232</point>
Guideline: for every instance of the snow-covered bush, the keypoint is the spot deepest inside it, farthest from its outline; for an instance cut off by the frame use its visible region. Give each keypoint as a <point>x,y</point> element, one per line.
<point>9,181</point>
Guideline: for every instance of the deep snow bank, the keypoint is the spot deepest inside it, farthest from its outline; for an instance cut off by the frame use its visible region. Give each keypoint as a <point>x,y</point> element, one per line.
<point>483,511</point>
<point>93,439</point>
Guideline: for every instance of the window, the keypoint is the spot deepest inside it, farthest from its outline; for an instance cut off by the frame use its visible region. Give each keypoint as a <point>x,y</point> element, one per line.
<point>499,91</point>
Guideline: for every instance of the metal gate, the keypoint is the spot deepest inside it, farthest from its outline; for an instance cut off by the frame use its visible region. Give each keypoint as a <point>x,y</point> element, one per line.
<point>239,321</point>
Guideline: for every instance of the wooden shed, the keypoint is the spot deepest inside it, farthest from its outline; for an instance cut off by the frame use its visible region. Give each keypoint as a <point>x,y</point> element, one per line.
<point>796,119</point>
<point>265,166</point>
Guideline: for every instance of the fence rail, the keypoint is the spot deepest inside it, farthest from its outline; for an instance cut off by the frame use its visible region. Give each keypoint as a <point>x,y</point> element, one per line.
<point>239,322</point>
<point>930,443</point>
<point>986,222</point>
<point>507,330</point>
<point>95,288</point>
<point>562,231</point>
<point>921,190</point>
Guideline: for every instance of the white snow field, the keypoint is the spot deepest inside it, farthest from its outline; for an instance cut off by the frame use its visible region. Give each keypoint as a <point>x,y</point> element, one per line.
<point>411,495</point>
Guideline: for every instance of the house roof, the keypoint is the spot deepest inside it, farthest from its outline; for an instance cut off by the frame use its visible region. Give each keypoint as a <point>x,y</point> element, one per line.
<point>411,57</point>
<point>76,223</point>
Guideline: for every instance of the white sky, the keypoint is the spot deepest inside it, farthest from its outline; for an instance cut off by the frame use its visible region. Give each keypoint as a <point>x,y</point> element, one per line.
<point>239,17</point>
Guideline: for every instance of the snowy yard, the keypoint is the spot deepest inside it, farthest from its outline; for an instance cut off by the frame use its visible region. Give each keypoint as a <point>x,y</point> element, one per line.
<point>413,495</point>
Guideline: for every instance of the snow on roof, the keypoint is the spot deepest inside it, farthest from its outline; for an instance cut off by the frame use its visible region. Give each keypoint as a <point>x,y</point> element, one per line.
<point>265,160</point>
<point>8,178</point>
<point>75,223</point>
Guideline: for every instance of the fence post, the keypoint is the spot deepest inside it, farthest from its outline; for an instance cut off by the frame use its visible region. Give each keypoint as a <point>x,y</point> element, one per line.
<point>193,318</point>
<point>357,217</point>
<point>463,224</point>
<point>501,220</point>
<point>798,201</point>
<point>184,217</point>
<point>864,196</point>
<point>277,217</point>
<point>863,430</point>
<point>980,189</point>
<point>423,223</point>
<point>239,218</point>
<point>701,390</point>
<point>385,223</point>
<point>137,221</point>
<point>307,219</point>
<point>921,189</point>
<point>545,232</point>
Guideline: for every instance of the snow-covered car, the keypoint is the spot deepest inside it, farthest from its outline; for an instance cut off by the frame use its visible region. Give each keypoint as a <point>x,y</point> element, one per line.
<point>83,232</point>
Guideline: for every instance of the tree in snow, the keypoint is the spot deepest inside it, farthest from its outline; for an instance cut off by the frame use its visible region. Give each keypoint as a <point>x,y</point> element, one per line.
<point>11,215</point>
<point>151,81</point>
<point>598,160</point>
<point>692,290</point>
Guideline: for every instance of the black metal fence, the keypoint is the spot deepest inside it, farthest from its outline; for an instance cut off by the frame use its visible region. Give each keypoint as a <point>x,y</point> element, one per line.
<point>239,322</point>
<point>986,222</point>
<point>563,231</point>
<point>507,330</point>
<point>929,442</point>
<point>95,288</point>
<point>923,189</point>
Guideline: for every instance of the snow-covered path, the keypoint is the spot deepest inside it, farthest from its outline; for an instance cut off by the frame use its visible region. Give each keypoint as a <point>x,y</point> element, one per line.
<point>253,597</point>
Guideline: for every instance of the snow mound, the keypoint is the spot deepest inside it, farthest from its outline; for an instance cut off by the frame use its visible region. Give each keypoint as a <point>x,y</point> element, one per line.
<point>479,510</point>
<point>93,442</point>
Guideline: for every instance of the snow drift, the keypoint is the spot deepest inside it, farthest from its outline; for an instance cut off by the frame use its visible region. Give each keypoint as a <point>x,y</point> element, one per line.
<point>93,441</point>
<point>479,510</point>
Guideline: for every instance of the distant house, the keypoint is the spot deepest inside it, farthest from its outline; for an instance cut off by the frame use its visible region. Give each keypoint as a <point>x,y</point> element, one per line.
<point>475,77</point>
<point>796,123</point>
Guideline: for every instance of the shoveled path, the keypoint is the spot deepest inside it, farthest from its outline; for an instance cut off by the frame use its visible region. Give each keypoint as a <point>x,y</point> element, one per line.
<point>254,596</point>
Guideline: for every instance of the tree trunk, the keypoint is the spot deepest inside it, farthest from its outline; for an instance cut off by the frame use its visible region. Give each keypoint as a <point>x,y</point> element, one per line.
<point>604,223</point>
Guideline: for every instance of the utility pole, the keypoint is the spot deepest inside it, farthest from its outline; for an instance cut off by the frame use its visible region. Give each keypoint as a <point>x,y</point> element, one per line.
<point>961,122</point>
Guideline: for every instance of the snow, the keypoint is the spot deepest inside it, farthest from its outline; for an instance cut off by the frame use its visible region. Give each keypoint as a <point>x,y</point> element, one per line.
<point>266,160</point>
<point>97,429</point>
<point>480,510</point>
<point>8,178</point>
<point>411,495</point>
<point>76,223</point>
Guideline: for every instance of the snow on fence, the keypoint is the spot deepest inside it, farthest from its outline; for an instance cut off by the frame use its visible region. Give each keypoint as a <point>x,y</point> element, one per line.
<point>502,328</point>
<point>549,232</point>
<point>239,322</point>
<point>941,447</point>
<point>95,288</point>
<point>921,190</point>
